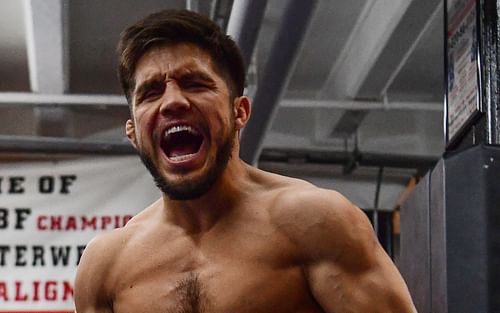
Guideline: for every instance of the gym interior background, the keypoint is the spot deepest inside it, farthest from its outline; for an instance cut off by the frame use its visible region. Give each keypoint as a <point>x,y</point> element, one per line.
<point>347,95</point>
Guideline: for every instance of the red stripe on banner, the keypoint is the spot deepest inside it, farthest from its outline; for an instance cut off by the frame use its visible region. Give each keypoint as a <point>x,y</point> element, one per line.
<point>459,17</point>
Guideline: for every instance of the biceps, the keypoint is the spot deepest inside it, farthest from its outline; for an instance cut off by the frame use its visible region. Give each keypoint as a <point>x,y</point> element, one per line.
<point>371,290</point>
<point>332,288</point>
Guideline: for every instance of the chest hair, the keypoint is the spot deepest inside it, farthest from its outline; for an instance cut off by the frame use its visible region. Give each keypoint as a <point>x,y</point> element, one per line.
<point>191,297</point>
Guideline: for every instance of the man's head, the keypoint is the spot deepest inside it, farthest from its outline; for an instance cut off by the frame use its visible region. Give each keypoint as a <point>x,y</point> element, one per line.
<point>180,26</point>
<point>183,79</point>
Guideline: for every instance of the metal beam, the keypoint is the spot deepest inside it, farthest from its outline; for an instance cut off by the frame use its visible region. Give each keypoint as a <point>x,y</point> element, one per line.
<point>17,99</point>
<point>46,46</point>
<point>302,156</point>
<point>414,25</point>
<point>220,12</point>
<point>393,70</point>
<point>192,5</point>
<point>25,144</point>
<point>373,30</point>
<point>362,105</point>
<point>48,61</point>
<point>244,24</point>
<point>276,75</point>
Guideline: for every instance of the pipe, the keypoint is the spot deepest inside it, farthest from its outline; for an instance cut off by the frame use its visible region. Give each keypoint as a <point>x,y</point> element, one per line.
<point>422,163</point>
<point>376,202</point>
<point>276,75</point>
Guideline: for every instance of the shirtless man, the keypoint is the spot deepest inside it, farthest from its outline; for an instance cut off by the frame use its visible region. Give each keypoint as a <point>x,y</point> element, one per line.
<point>225,237</point>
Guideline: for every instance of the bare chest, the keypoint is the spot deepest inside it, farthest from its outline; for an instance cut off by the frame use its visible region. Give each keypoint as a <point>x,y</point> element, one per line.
<point>237,278</point>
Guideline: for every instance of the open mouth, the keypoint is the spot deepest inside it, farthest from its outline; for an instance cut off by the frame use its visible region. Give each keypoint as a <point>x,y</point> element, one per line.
<point>181,142</point>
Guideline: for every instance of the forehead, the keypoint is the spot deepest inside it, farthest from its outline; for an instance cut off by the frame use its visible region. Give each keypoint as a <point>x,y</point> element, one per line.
<point>174,59</point>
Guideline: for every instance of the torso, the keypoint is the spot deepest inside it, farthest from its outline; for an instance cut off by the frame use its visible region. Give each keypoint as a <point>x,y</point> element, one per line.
<point>247,265</point>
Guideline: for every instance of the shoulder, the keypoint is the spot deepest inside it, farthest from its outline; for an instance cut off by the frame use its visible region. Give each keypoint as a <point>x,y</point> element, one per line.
<point>321,222</point>
<point>96,269</point>
<point>295,199</point>
<point>92,281</point>
<point>100,254</point>
<point>103,250</point>
<point>105,246</point>
<point>309,204</point>
<point>345,266</point>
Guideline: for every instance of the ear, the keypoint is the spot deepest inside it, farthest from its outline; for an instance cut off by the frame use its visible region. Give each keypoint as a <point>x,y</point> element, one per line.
<point>130,132</point>
<point>241,107</point>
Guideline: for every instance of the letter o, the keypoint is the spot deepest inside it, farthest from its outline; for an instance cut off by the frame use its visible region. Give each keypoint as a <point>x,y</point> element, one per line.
<point>46,184</point>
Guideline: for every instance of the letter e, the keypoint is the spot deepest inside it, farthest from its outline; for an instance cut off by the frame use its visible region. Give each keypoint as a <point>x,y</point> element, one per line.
<point>15,184</point>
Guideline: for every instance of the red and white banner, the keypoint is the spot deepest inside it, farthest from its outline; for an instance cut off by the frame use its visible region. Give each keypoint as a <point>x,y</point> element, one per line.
<point>49,211</point>
<point>463,92</point>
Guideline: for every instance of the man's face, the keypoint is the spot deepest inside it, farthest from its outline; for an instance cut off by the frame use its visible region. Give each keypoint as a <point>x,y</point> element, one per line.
<point>183,122</point>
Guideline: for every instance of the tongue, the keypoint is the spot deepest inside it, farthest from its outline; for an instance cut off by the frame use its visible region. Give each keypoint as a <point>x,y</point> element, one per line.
<point>182,149</point>
<point>182,143</point>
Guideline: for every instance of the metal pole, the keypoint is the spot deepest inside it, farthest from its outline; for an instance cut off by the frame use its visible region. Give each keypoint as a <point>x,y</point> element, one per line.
<point>377,197</point>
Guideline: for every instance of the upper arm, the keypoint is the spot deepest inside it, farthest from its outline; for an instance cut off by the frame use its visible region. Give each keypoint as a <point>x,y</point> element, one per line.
<point>91,295</point>
<point>346,268</point>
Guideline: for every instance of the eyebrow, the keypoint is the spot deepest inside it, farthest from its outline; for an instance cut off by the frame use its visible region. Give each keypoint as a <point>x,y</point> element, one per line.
<point>194,75</point>
<point>181,75</point>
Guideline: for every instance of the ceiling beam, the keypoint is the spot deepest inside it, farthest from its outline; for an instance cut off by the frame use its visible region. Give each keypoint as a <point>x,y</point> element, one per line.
<point>299,156</point>
<point>8,99</point>
<point>244,25</point>
<point>27,144</point>
<point>362,105</point>
<point>373,30</point>
<point>192,5</point>
<point>16,99</point>
<point>48,61</point>
<point>415,24</point>
<point>276,75</point>
<point>220,12</point>
<point>46,46</point>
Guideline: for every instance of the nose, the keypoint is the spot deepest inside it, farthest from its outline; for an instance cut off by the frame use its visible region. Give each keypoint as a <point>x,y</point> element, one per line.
<point>174,99</point>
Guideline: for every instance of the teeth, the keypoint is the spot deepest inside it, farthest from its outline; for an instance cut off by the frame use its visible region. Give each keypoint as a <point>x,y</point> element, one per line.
<point>179,128</point>
<point>182,157</point>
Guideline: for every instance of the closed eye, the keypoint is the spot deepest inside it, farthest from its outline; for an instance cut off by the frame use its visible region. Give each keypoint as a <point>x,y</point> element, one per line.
<point>194,85</point>
<point>152,94</point>
<point>196,81</point>
<point>152,91</point>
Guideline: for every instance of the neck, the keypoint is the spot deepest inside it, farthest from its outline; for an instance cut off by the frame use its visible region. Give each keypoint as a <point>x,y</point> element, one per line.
<point>201,214</point>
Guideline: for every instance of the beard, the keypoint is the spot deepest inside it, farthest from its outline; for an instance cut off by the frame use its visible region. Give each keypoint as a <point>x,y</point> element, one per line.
<point>193,188</point>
